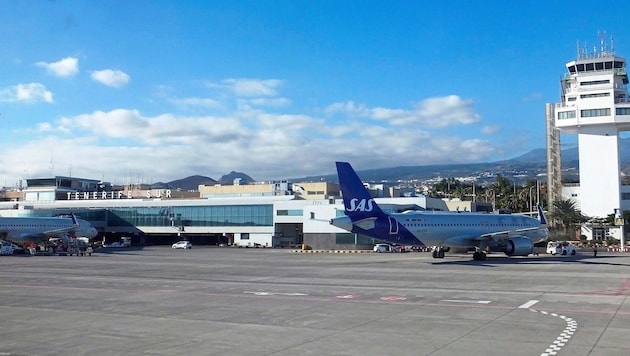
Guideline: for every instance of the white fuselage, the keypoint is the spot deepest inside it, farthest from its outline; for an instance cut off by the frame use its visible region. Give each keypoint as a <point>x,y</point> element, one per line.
<point>462,229</point>
<point>37,230</point>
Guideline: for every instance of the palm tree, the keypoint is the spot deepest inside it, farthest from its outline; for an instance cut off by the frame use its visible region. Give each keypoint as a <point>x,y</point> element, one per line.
<point>567,214</point>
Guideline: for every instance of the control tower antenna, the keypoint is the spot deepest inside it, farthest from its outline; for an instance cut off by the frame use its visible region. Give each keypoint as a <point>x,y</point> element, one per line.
<point>602,46</point>
<point>52,165</point>
<point>577,46</point>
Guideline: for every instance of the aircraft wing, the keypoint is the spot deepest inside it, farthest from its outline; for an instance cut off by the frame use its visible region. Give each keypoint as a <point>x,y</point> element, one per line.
<point>507,233</point>
<point>55,232</point>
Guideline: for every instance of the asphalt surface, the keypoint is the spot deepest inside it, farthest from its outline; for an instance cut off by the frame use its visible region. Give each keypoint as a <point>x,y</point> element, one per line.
<point>229,301</point>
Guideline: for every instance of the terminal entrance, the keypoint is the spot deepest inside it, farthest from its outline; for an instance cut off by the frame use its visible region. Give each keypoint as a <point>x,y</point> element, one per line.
<point>288,235</point>
<point>168,239</point>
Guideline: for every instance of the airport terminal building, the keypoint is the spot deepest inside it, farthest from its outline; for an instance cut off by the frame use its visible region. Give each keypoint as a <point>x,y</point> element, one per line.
<point>278,214</point>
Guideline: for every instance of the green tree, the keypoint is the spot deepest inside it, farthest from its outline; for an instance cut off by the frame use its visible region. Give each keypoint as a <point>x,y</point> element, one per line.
<point>567,215</point>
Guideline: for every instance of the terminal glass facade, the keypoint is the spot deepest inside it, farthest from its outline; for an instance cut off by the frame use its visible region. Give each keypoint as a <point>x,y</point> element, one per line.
<point>231,215</point>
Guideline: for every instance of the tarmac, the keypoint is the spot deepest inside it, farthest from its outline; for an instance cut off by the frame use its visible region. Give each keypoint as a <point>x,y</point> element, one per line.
<point>230,301</point>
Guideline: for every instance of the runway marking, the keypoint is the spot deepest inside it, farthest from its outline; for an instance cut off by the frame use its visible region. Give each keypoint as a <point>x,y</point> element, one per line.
<point>393,298</point>
<point>466,301</point>
<point>347,296</point>
<point>275,293</point>
<point>564,337</point>
<point>624,289</point>
<point>528,304</point>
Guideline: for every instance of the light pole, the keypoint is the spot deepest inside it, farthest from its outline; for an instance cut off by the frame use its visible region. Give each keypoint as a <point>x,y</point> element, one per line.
<point>531,206</point>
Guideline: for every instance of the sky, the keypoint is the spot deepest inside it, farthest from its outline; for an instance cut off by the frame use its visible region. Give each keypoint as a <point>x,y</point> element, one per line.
<point>147,91</point>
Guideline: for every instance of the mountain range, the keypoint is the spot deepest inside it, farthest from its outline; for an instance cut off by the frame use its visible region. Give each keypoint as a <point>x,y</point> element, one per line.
<point>531,165</point>
<point>193,182</point>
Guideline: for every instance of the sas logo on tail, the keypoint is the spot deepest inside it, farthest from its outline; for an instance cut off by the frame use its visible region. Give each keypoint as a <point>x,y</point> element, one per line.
<point>360,205</point>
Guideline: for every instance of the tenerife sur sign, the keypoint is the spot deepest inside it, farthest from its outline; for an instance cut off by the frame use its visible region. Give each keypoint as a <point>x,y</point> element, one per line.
<point>120,194</point>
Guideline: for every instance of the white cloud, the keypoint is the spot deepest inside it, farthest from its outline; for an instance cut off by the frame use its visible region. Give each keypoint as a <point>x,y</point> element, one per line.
<point>270,102</point>
<point>66,67</point>
<point>28,93</point>
<point>249,133</point>
<point>432,112</point>
<point>247,87</point>
<point>348,107</point>
<point>490,129</point>
<point>448,110</point>
<point>197,102</point>
<point>109,77</point>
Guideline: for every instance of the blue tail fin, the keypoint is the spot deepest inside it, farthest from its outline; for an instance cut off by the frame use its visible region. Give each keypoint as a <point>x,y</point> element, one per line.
<point>357,200</point>
<point>541,216</point>
<point>75,223</point>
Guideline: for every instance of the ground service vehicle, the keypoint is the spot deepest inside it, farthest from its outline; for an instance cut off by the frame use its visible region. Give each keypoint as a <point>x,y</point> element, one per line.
<point>560,248</point>
<point>384,248</point>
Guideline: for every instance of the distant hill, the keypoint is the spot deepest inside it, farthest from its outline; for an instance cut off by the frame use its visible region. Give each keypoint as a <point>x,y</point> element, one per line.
<point>527,166</point>
<point>188,183</point>
<point>531,165</point>
<point>193,182</point>
<point>228,179</point>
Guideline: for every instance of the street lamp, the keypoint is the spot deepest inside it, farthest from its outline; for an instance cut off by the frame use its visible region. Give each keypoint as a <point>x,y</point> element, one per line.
<point>531,206</point>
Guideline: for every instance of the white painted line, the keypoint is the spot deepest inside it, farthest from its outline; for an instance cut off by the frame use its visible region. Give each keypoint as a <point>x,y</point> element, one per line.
<point>466,301</point>
<point>274,293</point>
<point>393,298</point>
<point>528,304</point>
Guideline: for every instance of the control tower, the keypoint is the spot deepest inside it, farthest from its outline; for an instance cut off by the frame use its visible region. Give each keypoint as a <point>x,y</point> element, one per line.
<point>595,106</point>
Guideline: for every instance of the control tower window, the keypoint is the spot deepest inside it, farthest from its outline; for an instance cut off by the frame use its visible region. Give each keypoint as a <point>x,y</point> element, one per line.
<point>595,112</point>
<point>594,95</point>
<point>595,82</point>
<point>623,111</point>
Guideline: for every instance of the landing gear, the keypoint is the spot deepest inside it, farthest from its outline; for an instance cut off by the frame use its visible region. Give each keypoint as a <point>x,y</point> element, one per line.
<point>479,256</point>
<point>438,252</point>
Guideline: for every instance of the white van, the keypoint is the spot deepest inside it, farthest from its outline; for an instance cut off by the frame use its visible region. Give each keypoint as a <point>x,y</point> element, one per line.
<point>6,249</point>
<point>561,248</point>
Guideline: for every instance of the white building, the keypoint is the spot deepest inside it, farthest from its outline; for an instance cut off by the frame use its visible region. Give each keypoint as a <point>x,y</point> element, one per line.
<point>595,106</point>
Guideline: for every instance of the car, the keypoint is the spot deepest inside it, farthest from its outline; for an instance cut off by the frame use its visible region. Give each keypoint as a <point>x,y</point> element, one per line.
<point>182,244</point>
<point>561,248</point>
<point>384,248</point>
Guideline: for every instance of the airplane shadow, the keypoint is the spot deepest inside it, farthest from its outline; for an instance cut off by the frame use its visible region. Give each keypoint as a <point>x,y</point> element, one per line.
<point>497,261</point>
<point>131,250</point>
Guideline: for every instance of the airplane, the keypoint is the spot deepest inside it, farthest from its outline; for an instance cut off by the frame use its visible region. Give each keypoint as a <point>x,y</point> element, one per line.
<point>515,235</point>
<point>34,231</point>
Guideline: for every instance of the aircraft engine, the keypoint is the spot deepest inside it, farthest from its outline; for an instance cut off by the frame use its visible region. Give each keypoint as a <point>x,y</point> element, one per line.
<point>519,246</point>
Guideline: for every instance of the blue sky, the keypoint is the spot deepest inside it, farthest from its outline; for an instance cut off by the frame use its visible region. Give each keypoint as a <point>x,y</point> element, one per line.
<point>130,91</point>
